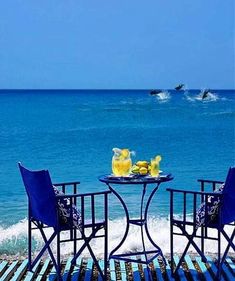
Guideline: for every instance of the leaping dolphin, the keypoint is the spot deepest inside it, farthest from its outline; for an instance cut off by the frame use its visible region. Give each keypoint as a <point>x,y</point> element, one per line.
<point>179,87</point>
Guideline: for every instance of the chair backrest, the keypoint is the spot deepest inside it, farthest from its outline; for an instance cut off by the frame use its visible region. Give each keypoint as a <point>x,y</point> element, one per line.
<point>42,201</point>
<point>228,207</point>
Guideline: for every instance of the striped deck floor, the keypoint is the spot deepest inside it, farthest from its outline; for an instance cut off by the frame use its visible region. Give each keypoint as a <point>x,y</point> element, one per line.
<point>193,269</point>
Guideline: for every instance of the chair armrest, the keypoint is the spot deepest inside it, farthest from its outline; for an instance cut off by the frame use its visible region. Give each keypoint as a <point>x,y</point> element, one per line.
<point>193,192</point>
<point>211,183</point>
<point>65,185</point>
<point>60,196</point>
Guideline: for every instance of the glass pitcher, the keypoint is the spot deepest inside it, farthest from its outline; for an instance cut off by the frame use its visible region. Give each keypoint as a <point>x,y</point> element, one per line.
<point>121,162</point>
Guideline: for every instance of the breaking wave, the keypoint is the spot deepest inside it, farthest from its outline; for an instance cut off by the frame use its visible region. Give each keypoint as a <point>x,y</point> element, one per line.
<point>13,239</point>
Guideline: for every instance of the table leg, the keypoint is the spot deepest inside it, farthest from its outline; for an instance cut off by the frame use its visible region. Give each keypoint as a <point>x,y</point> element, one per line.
<point>127,218</point>
<point>146,225</point>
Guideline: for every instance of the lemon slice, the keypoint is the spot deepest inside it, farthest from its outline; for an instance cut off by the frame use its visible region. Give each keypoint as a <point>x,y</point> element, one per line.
<point>158,158</point>
<point>125,153</point>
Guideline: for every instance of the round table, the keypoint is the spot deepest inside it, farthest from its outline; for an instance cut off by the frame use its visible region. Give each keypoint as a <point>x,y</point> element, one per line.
<point>142,181</point>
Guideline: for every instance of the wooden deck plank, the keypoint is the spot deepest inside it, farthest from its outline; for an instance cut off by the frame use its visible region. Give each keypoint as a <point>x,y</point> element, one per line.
<point>20,271</point>
<point>204,269</point>
<point>231,264</point>
<point>123,270</point>
<point>9,272</point>
<point>3,266</point>
<point>101,264</point>
<point>227,272</point>
<point>76,270</point>
<point>88,272</point>
<point>112,270</point>
<point>213,267</point>
<point>68,265</point>
<point>158,270</point>
<point>43,270</point>
<point>16,270</point>
<point>168,272</point>
<point>192,269</point>
<point>136,272</point>
<point>52,275</point>
<point>180,271</point>
<point>31,274</point>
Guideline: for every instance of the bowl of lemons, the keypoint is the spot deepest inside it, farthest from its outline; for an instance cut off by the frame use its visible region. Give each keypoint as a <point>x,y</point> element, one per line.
<point>143,168</point>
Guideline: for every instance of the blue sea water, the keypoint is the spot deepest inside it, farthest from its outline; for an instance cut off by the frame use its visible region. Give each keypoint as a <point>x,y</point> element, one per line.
<point>72,133</point>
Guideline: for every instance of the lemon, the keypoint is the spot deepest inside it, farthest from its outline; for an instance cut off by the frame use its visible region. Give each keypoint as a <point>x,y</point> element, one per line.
<point>143,171</point>
<point>125,153</point>
<point>158,158</point>
<point>135,169</point>
<point>142,164</point>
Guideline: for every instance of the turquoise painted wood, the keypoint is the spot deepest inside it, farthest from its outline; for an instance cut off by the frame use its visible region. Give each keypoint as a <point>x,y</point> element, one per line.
<point>180,271</point>
<point>89,267</point>
<point>30,275</point>
<point>123,270</point>
<point>112,270</point>
<point>101,264</point>
<point>43,270</point>
<point>52,275</point>
<point>76,270</point>
<point>9,272</point>
<point>192,268</point>
<point>67,269</point>
<point>168,272</point>
<point>20,271</point>
<point>158,270</point>
<point>204,269</point>
<point>3,266</point>
<point>231,264</point>
<point>16,271</point>
<point>136,273</point>
<point>213,267</point>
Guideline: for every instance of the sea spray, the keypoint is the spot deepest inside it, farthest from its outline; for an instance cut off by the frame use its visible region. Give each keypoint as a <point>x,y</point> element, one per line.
<point>13,239</point>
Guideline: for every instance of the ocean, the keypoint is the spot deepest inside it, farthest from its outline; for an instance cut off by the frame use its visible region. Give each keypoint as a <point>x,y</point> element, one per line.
<point>72,133</point>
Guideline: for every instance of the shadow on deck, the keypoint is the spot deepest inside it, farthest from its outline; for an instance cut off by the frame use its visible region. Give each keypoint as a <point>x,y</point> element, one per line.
<point>192,269</point>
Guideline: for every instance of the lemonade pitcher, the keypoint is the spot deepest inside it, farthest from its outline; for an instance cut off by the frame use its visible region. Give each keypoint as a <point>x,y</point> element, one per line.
<point>121,162</point>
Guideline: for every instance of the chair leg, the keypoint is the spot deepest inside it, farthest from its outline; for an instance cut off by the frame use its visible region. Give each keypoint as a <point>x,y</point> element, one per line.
<point>172,249</point>
<point>105,252</point>
<point>29,244</point>
<point>218,275</point>
<point>58,270</point>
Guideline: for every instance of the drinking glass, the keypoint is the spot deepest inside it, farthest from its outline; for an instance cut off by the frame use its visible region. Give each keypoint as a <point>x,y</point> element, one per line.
<point>154,171</point>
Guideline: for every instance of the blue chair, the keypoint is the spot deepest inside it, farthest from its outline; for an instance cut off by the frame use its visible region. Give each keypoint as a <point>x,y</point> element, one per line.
<point>216,210</point>
<point>45,201</point>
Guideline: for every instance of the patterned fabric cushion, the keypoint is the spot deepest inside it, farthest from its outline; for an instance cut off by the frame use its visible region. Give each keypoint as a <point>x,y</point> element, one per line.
<point>64,211</point>
<point>213,204</point>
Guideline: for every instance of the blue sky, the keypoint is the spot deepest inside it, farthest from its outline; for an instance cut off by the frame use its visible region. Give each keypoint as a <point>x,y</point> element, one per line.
<point>124,44</point>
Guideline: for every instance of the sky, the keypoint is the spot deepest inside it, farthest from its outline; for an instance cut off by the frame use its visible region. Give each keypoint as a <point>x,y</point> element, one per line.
<point>117,44</point>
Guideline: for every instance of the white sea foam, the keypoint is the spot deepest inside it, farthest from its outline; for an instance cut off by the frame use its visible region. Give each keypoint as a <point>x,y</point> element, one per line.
<point>163,96</point>
<point>13,239</point>
<point>211,97</point>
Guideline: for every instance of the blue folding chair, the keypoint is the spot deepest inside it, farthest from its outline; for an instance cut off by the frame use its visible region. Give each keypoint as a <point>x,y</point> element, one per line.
<point>216,210</point>
<point>44,211</point>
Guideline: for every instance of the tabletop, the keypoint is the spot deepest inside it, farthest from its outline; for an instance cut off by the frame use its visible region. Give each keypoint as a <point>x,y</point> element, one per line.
<point>135,179</point>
